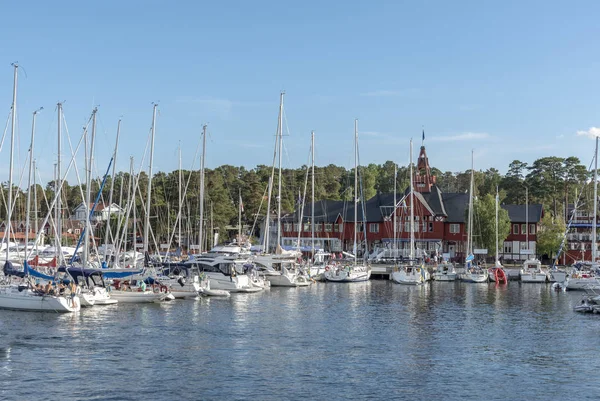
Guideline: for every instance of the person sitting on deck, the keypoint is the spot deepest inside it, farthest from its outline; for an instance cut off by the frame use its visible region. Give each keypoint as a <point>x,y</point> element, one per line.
<point>48,289</point>
<point>142,286</point>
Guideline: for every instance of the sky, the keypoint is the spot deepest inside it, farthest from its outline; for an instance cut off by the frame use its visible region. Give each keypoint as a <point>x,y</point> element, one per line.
<point>510,80</point>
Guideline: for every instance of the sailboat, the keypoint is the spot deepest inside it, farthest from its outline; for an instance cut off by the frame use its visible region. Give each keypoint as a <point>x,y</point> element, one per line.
<point>353,272</point>
<point>280,268</point>
<point>473,273</point>
<point>410,273</point>
<point>584,277</point>
<point>531,271</point>
<point>497,273</point>
<point>25,295</point>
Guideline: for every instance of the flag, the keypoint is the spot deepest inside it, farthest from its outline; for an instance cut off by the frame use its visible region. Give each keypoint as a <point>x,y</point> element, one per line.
<point>241,204</point>
<point>423,134</point>
<point>470,258</point>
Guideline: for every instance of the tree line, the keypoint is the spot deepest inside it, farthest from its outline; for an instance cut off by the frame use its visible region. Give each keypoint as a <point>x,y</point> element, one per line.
<point>551,181</point>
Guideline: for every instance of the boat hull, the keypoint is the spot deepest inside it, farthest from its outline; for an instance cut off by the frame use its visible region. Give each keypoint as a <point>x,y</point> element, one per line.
<point>475,277</point>
<point>533,277</point>
<point>26,300</point>
<point>444,276</point>
<point>346,276</point>
<point>138,297</point>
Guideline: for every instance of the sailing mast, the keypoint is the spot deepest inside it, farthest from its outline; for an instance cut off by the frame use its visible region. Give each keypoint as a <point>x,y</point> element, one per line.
<point>312,211</point>
<point>412,211</point>
<point>280,123</point>
<point>10,168</point>
<point>527,221</point>
<point>110,196</point>
<point>594,222</point>
<point>31,167</point>
<point>200,242</point>
<point>180,201</point>
<point>497,200</point>
<point>395,247</point>
<point>147,222</point>
<point>58,214</point>
<point>470,218</point>
<point>240,217</point>
<point>88,192</point>
<point>355,250</point>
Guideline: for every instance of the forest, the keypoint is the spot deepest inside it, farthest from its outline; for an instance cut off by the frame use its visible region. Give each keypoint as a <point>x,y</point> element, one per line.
<point>551,181</point>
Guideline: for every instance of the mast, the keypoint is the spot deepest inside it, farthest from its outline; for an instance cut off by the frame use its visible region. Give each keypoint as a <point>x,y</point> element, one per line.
<point>12,150</point>
<point>239,217</point>
<point>279,179</point>
<point>412,210</point>
<point>112,187</point>
<point>312,211</point>
<point>35,205</point>
<point>56,235</point>
<point>180,201</point>
<point>497,200</point>
<point>212,229</point>
<point>355,250</point>
<point>395,247</point>
<point>200,243</point>
<point>147,223</point>
<point>470,218</point>
<point>134,184</point>
<point>88,191</point>
<point>594,222</point>
<point>31,167</point>
<point>527,220</point>
<point>58,220</point>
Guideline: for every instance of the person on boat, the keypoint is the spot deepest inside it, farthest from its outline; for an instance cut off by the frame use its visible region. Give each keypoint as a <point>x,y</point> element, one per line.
<point>48,289</point>
<point>142,286</point>
<point>73,287</point>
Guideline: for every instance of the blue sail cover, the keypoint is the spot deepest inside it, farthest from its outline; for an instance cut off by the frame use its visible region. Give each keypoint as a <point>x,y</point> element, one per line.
<point>9,270</point>
<point>121,274</point>
<point>35,273</point>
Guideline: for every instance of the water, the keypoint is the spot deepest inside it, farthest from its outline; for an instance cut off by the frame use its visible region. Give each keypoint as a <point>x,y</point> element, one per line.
<point>373,340</point>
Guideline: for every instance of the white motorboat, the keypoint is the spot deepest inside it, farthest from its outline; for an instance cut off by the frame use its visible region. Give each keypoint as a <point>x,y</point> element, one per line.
<point>445,272</point>
<point>557,275</point>
<point>281,270</point>
<point>348,274</point>
<point>475,275</point>
<point>409,274</point>
<point>582,281</point>
<point>532,272</point>
<point>224,272</point>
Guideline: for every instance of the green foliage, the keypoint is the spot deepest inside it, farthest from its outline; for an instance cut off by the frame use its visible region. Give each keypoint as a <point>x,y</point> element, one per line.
<point>484,220</point>
<point>549,235</point>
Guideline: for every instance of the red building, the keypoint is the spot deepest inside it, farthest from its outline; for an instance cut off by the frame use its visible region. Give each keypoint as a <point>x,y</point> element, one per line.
<point>439,222</point>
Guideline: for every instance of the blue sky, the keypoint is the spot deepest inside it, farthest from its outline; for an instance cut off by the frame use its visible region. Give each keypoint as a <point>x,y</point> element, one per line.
<point>511,79</point>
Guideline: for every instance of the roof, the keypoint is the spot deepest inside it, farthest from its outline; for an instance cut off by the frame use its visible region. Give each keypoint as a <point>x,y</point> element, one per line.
<point>455,205</point>
<point>517,213</point>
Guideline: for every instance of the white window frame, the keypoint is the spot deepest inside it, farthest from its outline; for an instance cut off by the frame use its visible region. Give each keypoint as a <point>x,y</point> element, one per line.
<point>523,229</point>
<point>318,227</point>
<point>374,228</point>
<point>454,228</point>
<point>328,227</point>
<point>532,229</point>
<point>515,229</point>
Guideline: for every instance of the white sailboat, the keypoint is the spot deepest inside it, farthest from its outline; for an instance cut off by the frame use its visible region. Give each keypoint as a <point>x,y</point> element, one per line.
<point>473,273</point>
<point>531,271</point>
<point>585,277</point>
<point>497,273</point>
<point>353,272</point>
<point>410,273</point>
<point>25,296</point>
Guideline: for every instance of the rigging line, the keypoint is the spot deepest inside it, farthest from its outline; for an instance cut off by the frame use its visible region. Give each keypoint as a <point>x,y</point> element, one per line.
<point>5,129</point>
<point>262,199</point>
<point>301,220</point>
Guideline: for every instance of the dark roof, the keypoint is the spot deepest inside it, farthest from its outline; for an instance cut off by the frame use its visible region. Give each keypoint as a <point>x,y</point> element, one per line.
<point>516,213</point>
<point>326,211</point>
<point>455,205</point>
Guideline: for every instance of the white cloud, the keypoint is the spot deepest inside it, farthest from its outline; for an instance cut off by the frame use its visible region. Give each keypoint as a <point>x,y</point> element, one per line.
<point>465,136</point>
<point>592,132</point>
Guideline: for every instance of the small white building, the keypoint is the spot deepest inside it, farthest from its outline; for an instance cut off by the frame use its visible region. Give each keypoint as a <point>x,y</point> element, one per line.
<point>101,212</point>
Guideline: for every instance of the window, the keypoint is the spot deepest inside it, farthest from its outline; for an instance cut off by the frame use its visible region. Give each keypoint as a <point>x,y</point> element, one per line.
<point>406,227</point>
<point>306,227</point>
<point>532,229</point>
<point>430,227</point>
<point>359,227</point>
<point>454,228</point>
<point>328,227</point>
<point>287,227</point>
<point>516,229</point>
<point>374,227</point>
<point>318,227</point>
<point>508,247</point>
<point>77,231</point>
<point>523,228</point>
<point>296,227</point>
<point>399,226</point>
<point>523,245</point>
<point>341,227</point>
<point>424,226</point>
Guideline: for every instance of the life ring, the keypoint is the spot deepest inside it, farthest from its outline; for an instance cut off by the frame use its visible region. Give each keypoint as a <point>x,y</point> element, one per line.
<point>163,288</point>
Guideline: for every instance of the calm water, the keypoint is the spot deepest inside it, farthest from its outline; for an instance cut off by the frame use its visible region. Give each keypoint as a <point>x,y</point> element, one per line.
<point>373,340</point>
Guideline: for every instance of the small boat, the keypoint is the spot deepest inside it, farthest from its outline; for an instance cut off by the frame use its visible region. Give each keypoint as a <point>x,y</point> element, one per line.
<point>445,272</point>
<point>124,293</point>
<point>93,287</point>
<point>532,272</point>
<point>348,274</point>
